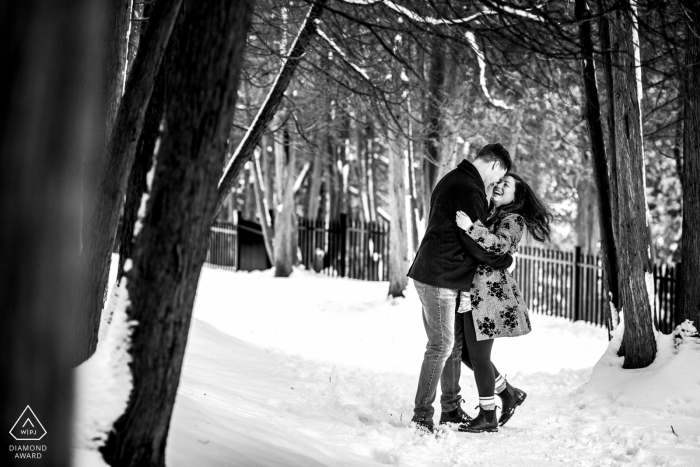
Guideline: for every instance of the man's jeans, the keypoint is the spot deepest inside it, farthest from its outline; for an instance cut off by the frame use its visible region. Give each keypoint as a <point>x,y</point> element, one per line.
<point>442,358</point>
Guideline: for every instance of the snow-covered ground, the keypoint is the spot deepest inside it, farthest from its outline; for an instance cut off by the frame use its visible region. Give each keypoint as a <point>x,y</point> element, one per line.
<point>313,370</point>
<point>319,371</point>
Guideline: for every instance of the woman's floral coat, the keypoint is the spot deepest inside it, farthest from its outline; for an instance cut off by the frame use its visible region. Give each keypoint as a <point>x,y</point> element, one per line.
<point>498,307</point>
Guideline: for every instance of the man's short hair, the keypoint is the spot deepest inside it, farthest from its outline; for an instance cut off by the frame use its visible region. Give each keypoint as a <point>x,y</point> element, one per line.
<point>496,152</point>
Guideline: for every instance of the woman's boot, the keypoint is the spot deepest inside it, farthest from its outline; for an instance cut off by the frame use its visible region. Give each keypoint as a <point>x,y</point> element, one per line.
<point>511,398</point>
<point>484,422</point>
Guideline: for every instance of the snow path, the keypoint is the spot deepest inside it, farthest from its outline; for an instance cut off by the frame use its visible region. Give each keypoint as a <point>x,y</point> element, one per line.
<point>312,371</point>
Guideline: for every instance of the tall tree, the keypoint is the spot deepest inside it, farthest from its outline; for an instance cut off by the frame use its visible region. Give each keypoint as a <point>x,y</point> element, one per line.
<point>398,229</point>
<point>603,183</point>
<point>632,235</point>
<point>261,203</point>
<point>209,40</point>
<point>103,215</point>
<point>118,22</point>
<point>267,111</point>
<point>285,236</point>
<point>137,184</point>
<point>433,151</point>
<point>51,102</point>
<point>690,265</point>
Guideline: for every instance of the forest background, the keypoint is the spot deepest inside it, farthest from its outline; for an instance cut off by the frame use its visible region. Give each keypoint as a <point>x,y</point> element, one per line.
<point>161,116</point>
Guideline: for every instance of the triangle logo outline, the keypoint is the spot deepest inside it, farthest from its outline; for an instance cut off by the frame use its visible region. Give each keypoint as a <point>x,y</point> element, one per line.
<point>23,416</point>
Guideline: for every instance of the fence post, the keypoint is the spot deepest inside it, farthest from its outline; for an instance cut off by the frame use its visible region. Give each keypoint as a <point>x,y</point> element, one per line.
<point>343,242</point>
<point>577,283</point>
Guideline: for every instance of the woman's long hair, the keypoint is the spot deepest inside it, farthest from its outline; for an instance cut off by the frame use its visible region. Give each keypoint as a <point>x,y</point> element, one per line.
<point>533,211</point>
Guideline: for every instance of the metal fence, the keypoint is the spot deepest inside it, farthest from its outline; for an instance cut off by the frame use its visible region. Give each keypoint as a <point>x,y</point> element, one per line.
<point>558,283</point>
<point>572,285</point>
<point>344,248</point>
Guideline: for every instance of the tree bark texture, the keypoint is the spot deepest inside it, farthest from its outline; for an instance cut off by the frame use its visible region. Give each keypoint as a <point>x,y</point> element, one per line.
<point>119,19</point>
<point>285,239</point>
<point>52,104</point>
<point>632,234</point>
<point>587,222</point>
<point>690,265</point>
<point>361,170</point>
<point>603,184</point>
<point>143,161</point>
<point>398,233</point>
<point>315,188</point>
<point>106,206</point>
<point>245,149</point>
<point>137,28</point>
<point>267,155</point>
<point>263,208</point>
<point>369,163</point>
<point>334,179</point>
<point>209,40</point>
<point>434,125</point>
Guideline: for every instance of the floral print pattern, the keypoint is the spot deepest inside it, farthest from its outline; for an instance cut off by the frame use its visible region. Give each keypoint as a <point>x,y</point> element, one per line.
<point>498,308</point>
<point>488,327</point>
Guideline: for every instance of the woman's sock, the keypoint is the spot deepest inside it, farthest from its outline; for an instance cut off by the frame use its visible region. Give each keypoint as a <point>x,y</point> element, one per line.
<point>500,384</point>
<point>487,403</point>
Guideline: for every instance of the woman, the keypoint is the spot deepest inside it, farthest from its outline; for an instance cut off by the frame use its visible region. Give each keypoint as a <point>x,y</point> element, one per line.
<point>497,306</point>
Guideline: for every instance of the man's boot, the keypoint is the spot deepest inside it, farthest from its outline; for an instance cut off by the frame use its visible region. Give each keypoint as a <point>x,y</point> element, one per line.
<point>455,416</point>
<point>511,398</point>
<point>423,427</point>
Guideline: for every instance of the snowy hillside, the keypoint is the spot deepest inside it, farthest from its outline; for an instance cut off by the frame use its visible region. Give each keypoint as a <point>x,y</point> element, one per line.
<point>319,371</point>
<point>316,371</point>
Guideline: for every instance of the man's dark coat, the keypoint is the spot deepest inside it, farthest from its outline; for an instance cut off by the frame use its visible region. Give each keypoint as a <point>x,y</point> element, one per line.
<point>447,256</point>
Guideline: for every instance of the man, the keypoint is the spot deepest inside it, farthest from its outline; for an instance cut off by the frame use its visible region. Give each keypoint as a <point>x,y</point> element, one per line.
<point>442,273</point>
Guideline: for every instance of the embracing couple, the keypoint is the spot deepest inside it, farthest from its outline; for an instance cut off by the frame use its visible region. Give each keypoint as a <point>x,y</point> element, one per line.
<point>461,273</point>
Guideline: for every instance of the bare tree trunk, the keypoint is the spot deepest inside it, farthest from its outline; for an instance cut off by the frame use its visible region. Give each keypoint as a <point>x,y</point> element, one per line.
<point>587,222</point>
<point>285,244</point>
<point>137,184</point>
<point>170,250</point>
<point>690,279</point>
<point>119,18</point>
<point>604,186</point>
<point>449,158</point>
<point>369,164</point>
<point>334,180</point>
<point>138,27</point>
<point>104,213</point>
<point>434,124</point>
<point>678,149</point>
<point>266,155</point>
<point>413,216</point>
<point>398,234</point>
<point>245,149</point>
<point>344,168</point>
<point>515,136</point>
<point>117,22</point>
<point>633,261</point>
<point>315,187</point>
<point>52,104</point>
<point>361,166</point>
<point>263,208</point>
<point>250,208</point>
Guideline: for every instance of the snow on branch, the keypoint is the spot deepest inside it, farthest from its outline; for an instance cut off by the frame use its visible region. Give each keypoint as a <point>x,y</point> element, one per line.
<point>427,19</point>
<point>342,54</point>
<point>517,12</point>
<point>443,21</point>
<point>482,72</point>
